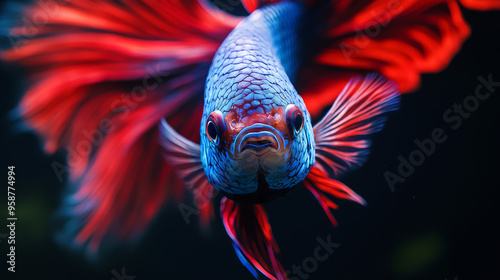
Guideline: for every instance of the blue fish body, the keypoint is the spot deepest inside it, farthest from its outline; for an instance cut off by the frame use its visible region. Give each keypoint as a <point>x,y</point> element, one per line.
<point>250,83</point>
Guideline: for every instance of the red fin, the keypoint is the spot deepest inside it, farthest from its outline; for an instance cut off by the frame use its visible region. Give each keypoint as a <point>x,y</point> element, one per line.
<point>399,39</point>
<point>249,228</point>
<point>321,88</point>
<point>342,136</point>
<point>185,157</point>
<point>320,185</point>
<point>483,5</point>
<point>102,78</point>
<point>252,5</point>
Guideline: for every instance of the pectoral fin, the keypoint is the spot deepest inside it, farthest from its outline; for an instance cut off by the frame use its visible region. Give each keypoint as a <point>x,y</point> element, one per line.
<point>185,157</point>
<point>342,136</point>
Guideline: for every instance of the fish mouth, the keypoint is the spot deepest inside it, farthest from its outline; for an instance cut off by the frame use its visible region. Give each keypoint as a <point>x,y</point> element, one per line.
<point>258,139</point>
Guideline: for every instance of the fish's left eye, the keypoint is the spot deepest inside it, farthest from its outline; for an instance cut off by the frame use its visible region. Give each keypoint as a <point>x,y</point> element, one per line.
<point>215,127</point>
<point>294,119</point>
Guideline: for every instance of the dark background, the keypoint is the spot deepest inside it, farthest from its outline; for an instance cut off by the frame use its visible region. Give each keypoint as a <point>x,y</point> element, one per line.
<point>441,223</point>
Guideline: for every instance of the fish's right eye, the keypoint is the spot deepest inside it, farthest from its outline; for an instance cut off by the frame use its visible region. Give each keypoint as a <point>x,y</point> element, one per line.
<point>215,127</point>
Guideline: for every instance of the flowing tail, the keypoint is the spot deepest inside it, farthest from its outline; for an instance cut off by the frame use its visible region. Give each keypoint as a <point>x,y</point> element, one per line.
<point>102,74</point>
<point>398,39</point>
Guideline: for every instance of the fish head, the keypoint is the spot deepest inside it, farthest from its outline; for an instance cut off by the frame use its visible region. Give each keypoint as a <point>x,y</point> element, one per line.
<point>257,149</point>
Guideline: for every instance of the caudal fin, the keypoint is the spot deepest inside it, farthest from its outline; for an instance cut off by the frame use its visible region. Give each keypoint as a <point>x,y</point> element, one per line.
<point>398,39</point>
<point>483,5</point>
<point>101,77</point>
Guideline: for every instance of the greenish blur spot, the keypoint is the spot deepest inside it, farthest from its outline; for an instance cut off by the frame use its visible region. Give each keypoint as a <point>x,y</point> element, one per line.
<point>417,254</point>
<point>33,217</point>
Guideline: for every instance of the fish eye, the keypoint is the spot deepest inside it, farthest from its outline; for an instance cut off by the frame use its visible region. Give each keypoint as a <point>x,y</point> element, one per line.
<point>212,131</point>
<point>215,127</point>
<point>294,119</point>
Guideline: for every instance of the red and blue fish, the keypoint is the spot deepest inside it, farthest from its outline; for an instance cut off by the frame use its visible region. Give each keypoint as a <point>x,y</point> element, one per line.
<point>123,85</point>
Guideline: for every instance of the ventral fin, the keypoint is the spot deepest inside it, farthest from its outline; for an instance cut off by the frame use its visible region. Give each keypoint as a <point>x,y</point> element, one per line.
<point>249,228</point>
<point>185,157</point>
<point>342,136</point>
<point>321,186</point>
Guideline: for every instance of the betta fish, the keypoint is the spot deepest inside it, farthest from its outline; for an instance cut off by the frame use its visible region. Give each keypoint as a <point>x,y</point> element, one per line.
<point>284,98</point>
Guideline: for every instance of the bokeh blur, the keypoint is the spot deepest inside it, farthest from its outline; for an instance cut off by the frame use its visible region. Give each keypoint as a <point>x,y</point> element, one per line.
<point>441,223</point>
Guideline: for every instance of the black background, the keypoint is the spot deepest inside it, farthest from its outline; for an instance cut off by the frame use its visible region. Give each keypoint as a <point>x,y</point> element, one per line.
<point>440,223</point>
